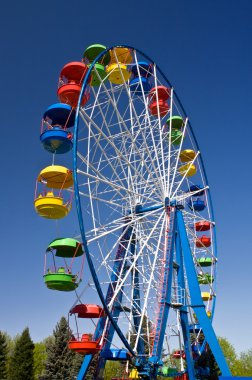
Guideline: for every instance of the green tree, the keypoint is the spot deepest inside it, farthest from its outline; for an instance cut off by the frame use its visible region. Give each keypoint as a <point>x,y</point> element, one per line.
<point>11,342</point>
<point>231,357</point>
<point>21,362</point>
<point>3,356</point>
<point>143,336</point>
<point>61,363</point>
<point>39,359</point>
<point>114,369</point>
<point>228,351</point>
<point>245,368</point>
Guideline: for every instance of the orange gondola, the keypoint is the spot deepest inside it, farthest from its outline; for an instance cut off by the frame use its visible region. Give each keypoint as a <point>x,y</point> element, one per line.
<point>84,345</point>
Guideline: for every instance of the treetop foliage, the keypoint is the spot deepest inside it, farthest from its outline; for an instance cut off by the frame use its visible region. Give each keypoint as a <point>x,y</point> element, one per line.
<point>21,359</point>
<point>22,362</point>
<point>61,363</point>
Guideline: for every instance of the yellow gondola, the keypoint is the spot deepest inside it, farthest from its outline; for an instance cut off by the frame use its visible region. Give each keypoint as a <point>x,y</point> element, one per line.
<point>118,73</point>
<point>56,177</point>
<point>121,55</point>
<point>189,169</point>
<point>206,296</point>
<point>48,204</point>
<point>51,207</point>
<point>187,155</point>
<point>133,374</point>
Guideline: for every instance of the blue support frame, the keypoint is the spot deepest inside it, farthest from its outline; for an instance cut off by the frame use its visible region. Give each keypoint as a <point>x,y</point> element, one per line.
<point>109,335</point>
<point>183,310</point>
<point>178,243</point>
<point>197,302</point>
<point>84,367</point>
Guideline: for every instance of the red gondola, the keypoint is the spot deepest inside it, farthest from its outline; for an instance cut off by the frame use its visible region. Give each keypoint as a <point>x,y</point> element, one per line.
<point>203,241</point>
<point>202,226</point>
<point>87,311</point>
<point>70,82</point>
<point>85,345</point>
<point>160,93</point>
<point>158,100</point>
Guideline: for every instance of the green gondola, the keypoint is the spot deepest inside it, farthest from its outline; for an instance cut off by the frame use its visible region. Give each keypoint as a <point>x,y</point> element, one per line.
<point>66,247</point>
<point>61,277</point>
<point>92,51</point>
<point>205,278</point>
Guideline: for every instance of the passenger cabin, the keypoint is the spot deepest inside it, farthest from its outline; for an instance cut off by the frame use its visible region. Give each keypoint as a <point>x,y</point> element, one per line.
<point>202,225</point>
<point>197,204</point>
<point>55,135</point>
<point>203,241</point>
<point>70,83</point>
<point>87,311</point>
<point>141,72</point>
<point>61,277</point>
<point>84,345</point>
<point>117,70</point>
<point>158,105</point>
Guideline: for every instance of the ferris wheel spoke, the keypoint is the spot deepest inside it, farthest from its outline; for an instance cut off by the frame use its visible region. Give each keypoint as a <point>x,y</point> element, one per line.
<point>190,194</point>
<point>169,148</point>
<point>111,203</point>
<point>149,125</point>
<point>131,183</point>
<point>193,216</point>
<point>110,225</point>
<point>112,185</point>
<point>110,252</point>
<point>115,187</point>
<point>160,132</point>
<point>105,180</point>
<point>106,158</point>
<point>175,168</point>
<point>184,176</point>
<point>118,226</point>
<point>121,121</point>
<point>146,162</point>
<point>153,269</point>
<point>119,154</point>
<point>136,258</point>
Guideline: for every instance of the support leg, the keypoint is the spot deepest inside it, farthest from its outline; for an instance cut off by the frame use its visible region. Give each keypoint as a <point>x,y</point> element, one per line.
<point>84,367</point>
<point>197,303</point>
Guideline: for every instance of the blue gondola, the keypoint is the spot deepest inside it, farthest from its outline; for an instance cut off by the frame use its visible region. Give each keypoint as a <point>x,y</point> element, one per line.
<point>55,137</point>
<point>115,354</point>
<point>196,205</point>
<point>145,69</point>
<point>60,114</point>
<point>139,83</point>
<point>194,188</point>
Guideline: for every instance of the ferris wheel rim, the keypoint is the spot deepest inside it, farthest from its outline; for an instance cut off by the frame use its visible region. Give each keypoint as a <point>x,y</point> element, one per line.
<point>76,183</point>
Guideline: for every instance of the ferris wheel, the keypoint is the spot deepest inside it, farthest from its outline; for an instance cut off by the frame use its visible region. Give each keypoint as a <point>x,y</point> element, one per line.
<point>145,215</point>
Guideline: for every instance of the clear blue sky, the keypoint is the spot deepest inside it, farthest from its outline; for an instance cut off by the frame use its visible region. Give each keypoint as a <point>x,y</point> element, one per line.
<point>204,48</point>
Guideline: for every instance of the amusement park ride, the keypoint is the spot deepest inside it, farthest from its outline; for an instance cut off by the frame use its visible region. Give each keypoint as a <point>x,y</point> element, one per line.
<point>145,215</point>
